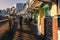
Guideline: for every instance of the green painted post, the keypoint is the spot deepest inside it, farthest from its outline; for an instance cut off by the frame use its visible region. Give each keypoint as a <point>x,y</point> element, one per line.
<point>46,9</point>
<point>35,16</point>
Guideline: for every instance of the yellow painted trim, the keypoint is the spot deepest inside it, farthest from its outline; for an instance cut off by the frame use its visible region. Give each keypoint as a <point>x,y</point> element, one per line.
<point>54,10</point>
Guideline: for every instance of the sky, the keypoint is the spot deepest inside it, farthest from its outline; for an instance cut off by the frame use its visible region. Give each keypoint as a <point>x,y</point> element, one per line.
<point>9,3</point>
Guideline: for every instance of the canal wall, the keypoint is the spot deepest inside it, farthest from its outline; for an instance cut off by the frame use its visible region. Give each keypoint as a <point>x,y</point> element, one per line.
<point>4,26</point>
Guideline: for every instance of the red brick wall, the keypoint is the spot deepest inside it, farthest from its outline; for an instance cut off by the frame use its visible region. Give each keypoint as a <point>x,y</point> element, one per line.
<point>42,26</point>
<point>55,28</point>
<point>3,28</point>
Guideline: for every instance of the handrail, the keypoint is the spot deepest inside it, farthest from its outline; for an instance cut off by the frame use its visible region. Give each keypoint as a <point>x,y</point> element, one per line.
<point>4,20</point>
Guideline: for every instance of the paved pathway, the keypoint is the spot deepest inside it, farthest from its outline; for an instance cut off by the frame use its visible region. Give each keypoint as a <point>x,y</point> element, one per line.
<point>26,32</point>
